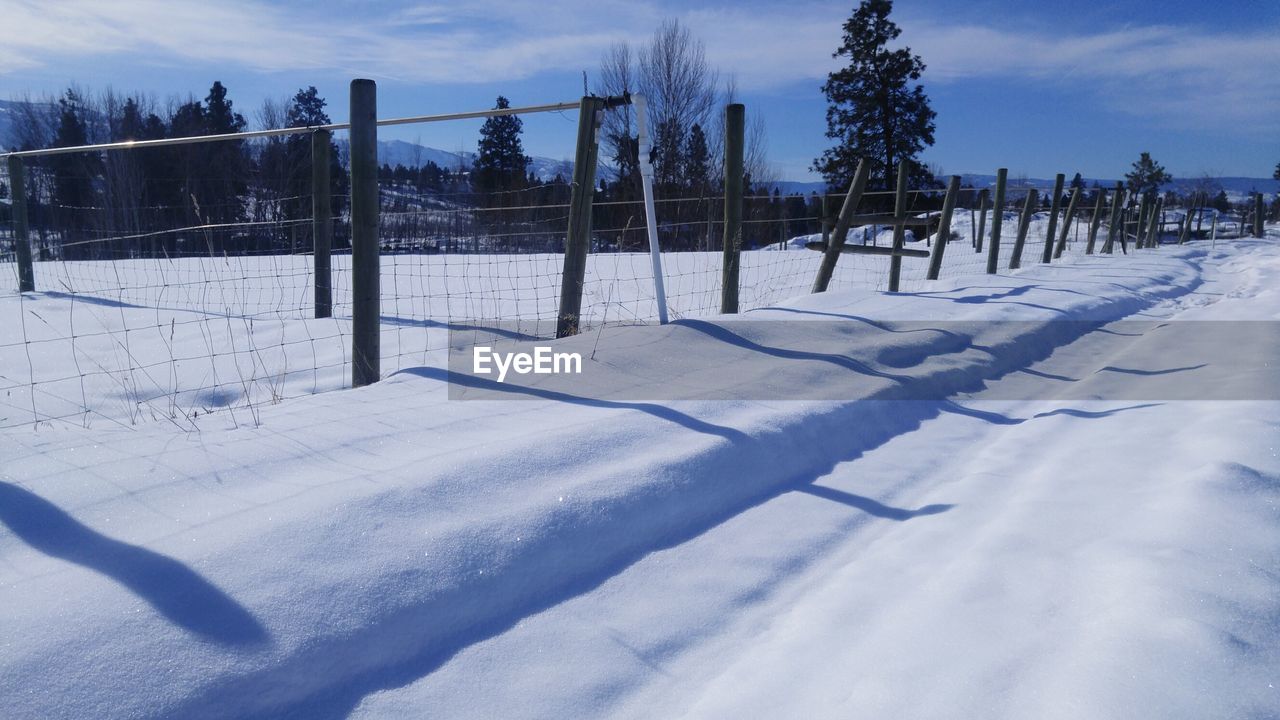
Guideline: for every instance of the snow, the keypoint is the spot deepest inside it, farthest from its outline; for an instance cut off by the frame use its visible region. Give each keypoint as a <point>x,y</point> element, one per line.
<point>392,552</point>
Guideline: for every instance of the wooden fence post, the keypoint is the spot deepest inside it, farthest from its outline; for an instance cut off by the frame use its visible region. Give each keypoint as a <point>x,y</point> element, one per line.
<point>578,240</point>
<point>1153,228</point>
<point>899,229</point>
<point>21,239</point>
<point>321,223</point>
<point>1095,222</point>
<point>1258,216</point>
<point>825,222</point>
<point>1054,206</point>
<point>997,221</point>
<point>365,279</point>
<point>944,228</point>
<point>838,237</point>
<point>1024,224</point>
<point>1116,223</point>
<point>1184,233</point>
<point>1066,223</point>
<point>1140,229</point>
<point>982,219</point>
<point>734,134</point>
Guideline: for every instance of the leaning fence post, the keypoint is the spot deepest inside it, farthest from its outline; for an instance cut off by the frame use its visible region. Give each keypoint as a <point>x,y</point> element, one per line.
<point>1153,228</point>
<point>21,240</point>
<point>1113,219</point>
<point>982,219</point>
<point>578,241</point>
<point>365,289</point>
<point>1054,207</point>
<point>851,199</point>
<point>1185,233</point>
<point>321,222</point>
<point>1024,224</point>
<point>944,228</point>
<point>997,221</point>
<point>1095,222</point>
<point>734,131</point>
<point>899,227</point>
<point>1257,215</point>
<point>1066,224</point>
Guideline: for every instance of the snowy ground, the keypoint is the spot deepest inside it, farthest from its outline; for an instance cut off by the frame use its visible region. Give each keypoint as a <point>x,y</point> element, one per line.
<point>387,552</point>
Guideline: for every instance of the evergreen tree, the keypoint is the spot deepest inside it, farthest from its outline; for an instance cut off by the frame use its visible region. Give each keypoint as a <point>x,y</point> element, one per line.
<point>1147,176</point>
<point>1221,202</point>
<point>873,109</point>
<point>501,162</point>
<point>307,110</point>
<point>226,164</point>
<point>73,175</point>
<point>697,161</point>
<point>668,141</point>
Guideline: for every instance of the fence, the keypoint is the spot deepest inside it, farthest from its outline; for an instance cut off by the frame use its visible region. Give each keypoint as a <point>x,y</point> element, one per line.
<point>160,300</point>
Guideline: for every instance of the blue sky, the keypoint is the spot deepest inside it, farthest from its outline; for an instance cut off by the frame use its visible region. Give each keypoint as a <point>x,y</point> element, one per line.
<point>1039,87</point>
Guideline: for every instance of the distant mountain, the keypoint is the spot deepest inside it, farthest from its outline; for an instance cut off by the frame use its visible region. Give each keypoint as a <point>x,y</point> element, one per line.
<point>1237,188</point>
<point>411,155</point>
<point>791,187</point>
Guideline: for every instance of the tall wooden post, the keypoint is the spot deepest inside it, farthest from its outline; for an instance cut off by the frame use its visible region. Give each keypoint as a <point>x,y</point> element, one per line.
<point>21,239</point>
<point>1258,216</point>
<point>1054,207</point>
<point>1066,223</point>
<point>1024,224</point>
<point>365,280</point>
<point>837,240</point>
<point>1153,228</point>
<point>1144,206</point>
<point>734,133</point>
<point>1095,222</point>
<point>899,229</point>
<point>321,222</point>
<point>997,221</point>
<point>578,241</point>
<point>1115,223</point>
<point>982,219</point>
<point>1184,232</point>
<point>944,228</point>
<point>825,221</point>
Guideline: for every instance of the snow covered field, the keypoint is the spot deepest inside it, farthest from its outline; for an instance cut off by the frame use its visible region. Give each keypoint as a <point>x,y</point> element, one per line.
<point>205,341</point>
<point>387,552</point>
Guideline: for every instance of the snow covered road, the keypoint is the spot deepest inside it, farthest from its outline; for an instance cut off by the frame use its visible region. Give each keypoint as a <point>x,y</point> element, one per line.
<point>388,552</point>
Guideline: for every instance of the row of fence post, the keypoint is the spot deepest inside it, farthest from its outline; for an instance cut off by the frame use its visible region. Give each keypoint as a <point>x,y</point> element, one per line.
<point>1147,223</point>
<point>365,219</point>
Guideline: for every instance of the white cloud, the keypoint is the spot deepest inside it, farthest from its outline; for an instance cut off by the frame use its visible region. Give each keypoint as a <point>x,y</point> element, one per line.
<point>462,41</point>
<point>1178,76</point>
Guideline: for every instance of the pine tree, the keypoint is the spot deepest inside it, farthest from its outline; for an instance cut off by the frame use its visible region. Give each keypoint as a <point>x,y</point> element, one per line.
<point>501,162</point>
<point>1221,202</point>
<point>668,140</point>
<point>873,110</point>
<point>697,161</point>
<point>73,175</point>
<point>307,110</point>
<point>1147,176</point>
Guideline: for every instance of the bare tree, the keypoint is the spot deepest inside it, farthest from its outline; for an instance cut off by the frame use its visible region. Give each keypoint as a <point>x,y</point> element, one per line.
<point>618,76</point>
<point>680,86</point>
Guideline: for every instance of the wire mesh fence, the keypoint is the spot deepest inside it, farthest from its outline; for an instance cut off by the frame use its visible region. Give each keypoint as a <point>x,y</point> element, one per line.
<point>170,297</point>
